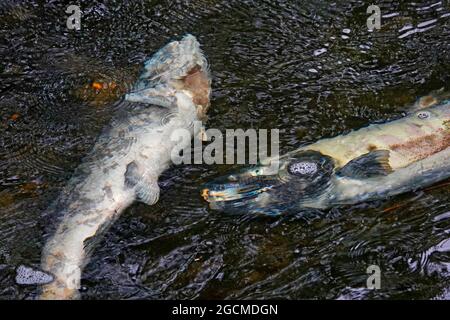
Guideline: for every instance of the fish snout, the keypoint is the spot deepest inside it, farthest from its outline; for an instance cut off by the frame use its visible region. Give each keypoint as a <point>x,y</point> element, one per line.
<point>250,190</point>
<point>232,191</point>
<point>195,77</point>
<point>198,83</point>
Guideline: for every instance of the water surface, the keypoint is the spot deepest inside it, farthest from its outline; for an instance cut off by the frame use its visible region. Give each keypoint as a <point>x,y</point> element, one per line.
<point>308,68</point>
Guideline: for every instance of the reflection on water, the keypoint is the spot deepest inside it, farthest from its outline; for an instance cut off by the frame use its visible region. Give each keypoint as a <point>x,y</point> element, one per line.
<point>311,69</point>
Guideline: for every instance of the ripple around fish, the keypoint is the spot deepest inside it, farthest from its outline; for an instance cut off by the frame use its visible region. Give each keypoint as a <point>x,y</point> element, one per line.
<point>284,283</point>
<point>426,263</point>
<point>206,271</point>
<point>45,117</point>
<point>28,145</point>
<point>16,10</point>
<point>163,272</point>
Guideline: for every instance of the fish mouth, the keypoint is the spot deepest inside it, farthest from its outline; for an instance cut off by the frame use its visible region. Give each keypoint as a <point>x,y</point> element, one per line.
<point>232,191</point>
<point>245,183</point>
<point>266,196</point>
<point>240,194</point>
<point>194,76</point>
<point>254,190</point>
<point>180,66</point>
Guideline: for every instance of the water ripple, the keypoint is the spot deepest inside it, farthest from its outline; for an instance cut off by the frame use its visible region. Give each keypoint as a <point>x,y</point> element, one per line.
<point>311,69</point>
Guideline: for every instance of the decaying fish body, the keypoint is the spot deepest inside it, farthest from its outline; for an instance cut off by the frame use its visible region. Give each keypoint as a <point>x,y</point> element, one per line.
<point>127,159</point>
<point>371,163</point>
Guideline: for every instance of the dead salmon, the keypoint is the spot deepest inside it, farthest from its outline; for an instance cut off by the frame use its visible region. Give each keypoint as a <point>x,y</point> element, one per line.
<point>374,162</point>
<point>124,165</point>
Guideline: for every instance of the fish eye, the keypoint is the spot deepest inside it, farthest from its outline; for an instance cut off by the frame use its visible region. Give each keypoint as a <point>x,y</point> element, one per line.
<point>255,172</point>
<point>423,115</point>
<point>302,168</point>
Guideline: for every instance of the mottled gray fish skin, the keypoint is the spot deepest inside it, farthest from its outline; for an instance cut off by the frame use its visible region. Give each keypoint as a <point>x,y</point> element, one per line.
<point>127,159</point>
<point>371,163</point>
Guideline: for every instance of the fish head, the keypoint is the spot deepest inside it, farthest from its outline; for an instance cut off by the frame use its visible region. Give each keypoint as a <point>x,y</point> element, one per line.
<point>180,66</point>
<point>195,77</point>
<point>301,178</point>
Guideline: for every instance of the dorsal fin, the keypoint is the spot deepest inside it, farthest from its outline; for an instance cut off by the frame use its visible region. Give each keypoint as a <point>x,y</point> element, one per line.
<point>146,189</point>
<point>368,165</point>
<point>435,97</point>
<point>158,96</point>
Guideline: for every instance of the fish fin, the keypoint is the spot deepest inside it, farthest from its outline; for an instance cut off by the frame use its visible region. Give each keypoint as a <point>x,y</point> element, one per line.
<point>368,165</point>
<point>147,193</point>
<point>160,96</point>
<point>435,97</point>
<point>132,177</point>
<point>146,189</point>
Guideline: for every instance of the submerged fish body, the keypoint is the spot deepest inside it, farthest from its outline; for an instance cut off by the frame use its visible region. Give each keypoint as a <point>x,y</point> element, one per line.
<point>127,159</point>
<point>374,162</point>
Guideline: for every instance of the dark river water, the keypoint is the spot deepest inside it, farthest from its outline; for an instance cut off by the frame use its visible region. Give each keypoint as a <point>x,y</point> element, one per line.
<point>309,68</point>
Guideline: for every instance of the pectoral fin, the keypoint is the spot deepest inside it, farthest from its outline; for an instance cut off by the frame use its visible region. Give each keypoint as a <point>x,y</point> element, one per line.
<point>368,165</point>
<point>146,189</point>
<point>160,96</point>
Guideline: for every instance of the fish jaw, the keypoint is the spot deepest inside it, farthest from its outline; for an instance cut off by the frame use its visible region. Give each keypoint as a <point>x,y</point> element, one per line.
<point>178,66</point>
<point>240,191</point>
<point>195,77</point>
